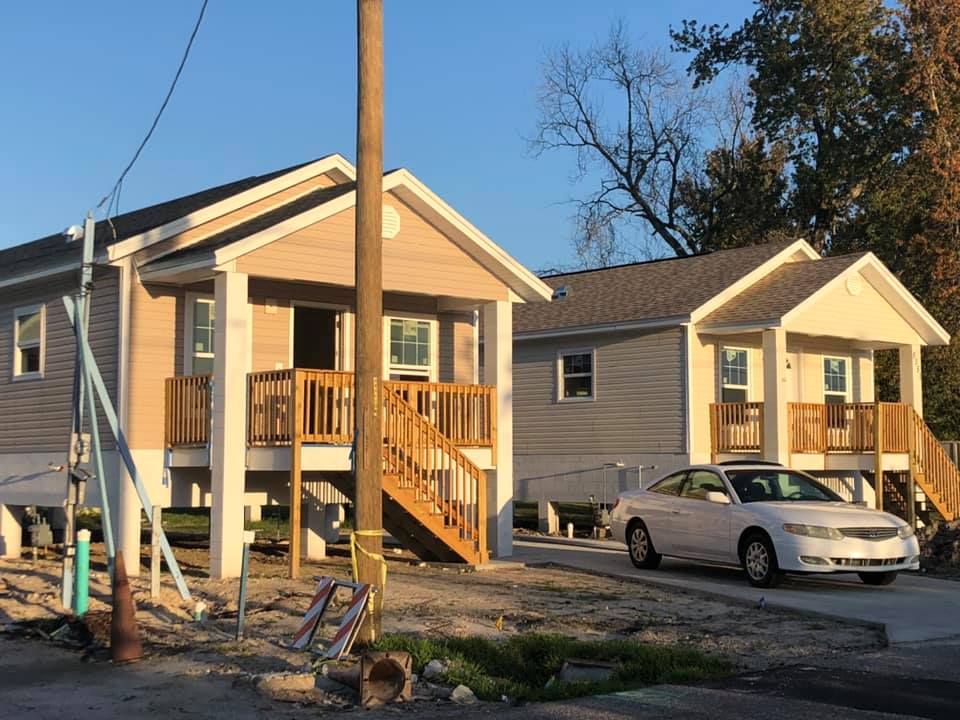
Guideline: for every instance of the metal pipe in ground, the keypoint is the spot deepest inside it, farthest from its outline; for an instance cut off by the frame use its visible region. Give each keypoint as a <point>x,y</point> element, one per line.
<point>82,573</point>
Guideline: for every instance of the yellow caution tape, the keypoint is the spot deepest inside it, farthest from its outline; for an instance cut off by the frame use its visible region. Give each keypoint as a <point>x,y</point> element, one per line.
<point>355,547</point>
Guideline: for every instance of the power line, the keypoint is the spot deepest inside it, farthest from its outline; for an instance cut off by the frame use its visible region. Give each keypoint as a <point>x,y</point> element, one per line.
<point>113,197</point>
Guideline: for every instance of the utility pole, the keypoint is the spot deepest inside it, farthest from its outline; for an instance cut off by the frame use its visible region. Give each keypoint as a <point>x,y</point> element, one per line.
<point>369,282</point>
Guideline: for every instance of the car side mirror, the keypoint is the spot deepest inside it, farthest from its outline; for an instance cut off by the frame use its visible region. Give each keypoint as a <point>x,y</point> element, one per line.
<point>718,497</point>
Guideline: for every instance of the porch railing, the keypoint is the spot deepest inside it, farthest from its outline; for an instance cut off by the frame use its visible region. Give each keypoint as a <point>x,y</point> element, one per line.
<point>187,411</point>
<point>736,427</point>
<point>463,413</point>
<point>848,427</point>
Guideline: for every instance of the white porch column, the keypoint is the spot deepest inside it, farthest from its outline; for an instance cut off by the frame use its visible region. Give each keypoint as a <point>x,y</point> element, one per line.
<point>548,517</point>
<point>911,377</point>
<point>776,447</point>
<point>228,446</point>
<point>11,531</point>
<point>498,371</point>
<point>252,513</point>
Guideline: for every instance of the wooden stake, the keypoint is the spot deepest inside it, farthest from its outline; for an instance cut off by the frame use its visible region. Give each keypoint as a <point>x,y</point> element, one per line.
<point>369,283</point>
<point>296,444</point>
<point>878,453</point>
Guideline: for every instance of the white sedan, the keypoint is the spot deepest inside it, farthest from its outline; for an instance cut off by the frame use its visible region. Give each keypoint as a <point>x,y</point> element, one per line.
<point>766,518</point>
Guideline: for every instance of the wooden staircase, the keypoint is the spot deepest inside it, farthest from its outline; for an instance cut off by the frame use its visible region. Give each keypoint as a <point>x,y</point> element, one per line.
<point>434,496</point>
<point>932,469</point>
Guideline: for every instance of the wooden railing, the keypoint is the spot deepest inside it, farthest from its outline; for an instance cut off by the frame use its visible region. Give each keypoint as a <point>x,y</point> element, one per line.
<point>268,408</point>
<point>847,427</point>
<point>736,427</point>
<point>464,413</point>
<point>429,464</point>
<point>931,467</point>
<point>187,411</point>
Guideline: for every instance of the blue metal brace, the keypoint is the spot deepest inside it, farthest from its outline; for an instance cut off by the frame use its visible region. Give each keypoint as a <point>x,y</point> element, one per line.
<point>96,379</point>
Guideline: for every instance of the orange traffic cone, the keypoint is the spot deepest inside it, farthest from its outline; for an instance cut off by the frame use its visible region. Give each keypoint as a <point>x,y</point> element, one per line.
<point>124,636</point>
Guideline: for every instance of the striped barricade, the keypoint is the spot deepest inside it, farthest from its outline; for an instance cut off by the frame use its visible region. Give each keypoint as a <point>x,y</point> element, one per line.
<point>350,624</point>
<point>318,604</point>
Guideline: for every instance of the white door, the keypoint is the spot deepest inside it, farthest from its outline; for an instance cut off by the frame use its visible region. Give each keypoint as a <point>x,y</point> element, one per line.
<point>704,525</point>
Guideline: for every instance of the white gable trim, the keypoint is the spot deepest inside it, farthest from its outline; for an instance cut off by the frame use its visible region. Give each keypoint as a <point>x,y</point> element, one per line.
<point>761,271</point>
<point>893,291</point>
<point>491,256</point>
<point>335,164</point>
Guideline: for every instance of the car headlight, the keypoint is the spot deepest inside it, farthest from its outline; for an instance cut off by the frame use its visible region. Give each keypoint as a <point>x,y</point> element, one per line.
<point>814,531</point>
<point>905,531</point>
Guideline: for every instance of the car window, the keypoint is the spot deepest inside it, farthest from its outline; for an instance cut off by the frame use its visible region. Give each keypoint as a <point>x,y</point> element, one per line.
<point>670,485</point>
<point>771,485</point>
<point>700,482</point>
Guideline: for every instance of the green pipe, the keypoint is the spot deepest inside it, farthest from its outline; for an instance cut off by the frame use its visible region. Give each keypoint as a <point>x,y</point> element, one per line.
<point>82,596</point>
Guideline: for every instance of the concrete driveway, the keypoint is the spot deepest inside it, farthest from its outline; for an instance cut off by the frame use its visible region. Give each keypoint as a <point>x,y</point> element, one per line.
<point>915,608</point>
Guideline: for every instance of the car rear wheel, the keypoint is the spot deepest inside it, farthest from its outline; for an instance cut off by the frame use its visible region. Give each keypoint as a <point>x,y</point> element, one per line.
<point>642,553</point>
<point>759,561</point>
<point>879,578</point>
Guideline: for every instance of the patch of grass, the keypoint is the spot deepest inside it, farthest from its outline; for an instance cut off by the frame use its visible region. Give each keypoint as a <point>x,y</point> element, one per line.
<point>523,667</point>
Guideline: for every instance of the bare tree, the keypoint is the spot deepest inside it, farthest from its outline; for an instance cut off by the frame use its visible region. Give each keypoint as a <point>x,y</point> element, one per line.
<point>642,153</point>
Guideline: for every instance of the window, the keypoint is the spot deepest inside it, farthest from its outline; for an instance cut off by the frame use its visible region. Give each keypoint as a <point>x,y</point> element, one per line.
<point>701,482</point>
<point>203,327</point>
<point>28,333</point>
<point>777,485</point>
<point>734,374</point>
<point>411,349</point>
<point>576,375</point>
<point>670,485</point>
<point>835,383</point>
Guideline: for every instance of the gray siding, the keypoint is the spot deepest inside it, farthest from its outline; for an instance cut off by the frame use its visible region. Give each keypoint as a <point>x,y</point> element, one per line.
<point>639,405</point>
<point>36,413</point>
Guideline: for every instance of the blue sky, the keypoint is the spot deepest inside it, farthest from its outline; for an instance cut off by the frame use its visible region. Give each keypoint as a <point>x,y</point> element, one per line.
<point>271,84</point>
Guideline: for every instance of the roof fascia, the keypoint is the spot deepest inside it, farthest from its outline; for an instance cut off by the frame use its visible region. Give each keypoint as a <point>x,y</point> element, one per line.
<point>334,164</point>
<point>761,271</point>
<point>39,274</point>
<point>733,328</point>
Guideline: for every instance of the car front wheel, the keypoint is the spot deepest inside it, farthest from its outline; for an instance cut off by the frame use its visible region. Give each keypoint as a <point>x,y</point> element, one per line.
<point>879,578</point>
<point>759,561</point>
<point>642,553</point>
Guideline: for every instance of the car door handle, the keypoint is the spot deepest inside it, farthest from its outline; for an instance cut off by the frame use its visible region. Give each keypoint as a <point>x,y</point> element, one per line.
<point>674,512</point>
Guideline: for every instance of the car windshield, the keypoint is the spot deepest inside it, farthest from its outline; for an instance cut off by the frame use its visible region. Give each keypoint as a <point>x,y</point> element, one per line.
<point>771,485</point>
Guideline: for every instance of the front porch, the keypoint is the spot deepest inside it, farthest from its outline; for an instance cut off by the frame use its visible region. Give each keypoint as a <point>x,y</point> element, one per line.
<point>877,437</point>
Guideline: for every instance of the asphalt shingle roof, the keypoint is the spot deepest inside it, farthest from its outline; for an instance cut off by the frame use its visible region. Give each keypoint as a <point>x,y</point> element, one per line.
<point>53,249</point>
<point>641,291</point>
<point>780,291</point>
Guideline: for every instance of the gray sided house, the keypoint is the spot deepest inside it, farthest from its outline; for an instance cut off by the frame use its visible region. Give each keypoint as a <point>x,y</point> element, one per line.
<point>763,352</point>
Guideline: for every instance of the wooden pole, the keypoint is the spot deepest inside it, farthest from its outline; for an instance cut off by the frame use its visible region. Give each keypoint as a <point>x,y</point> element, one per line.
<point>155,525</point>
<point>296,443</point>
<point>369,283</point>
<point>878,454</point>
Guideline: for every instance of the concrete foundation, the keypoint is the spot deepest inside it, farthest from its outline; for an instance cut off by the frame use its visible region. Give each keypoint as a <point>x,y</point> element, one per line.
<point>252,513</point>
<point>548,517</point>
<point>11,530</point>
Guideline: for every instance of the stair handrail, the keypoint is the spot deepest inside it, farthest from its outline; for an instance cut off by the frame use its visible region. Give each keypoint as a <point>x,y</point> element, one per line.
<point>939,477</point>
<point>420,453</point>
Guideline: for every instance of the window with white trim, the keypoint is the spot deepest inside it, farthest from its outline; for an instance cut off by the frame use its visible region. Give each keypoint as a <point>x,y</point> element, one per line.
<point>28,337</point>
<point>411,349</point>
<point>577,375</point>
<point>734,374</point>
<point>203,319</point>
<point>836,381</point>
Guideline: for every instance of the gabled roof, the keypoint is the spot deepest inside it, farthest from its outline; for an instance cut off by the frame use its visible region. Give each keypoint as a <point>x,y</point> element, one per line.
<point>54,250</point>
<point>668,290</point>
<point>772,297</point>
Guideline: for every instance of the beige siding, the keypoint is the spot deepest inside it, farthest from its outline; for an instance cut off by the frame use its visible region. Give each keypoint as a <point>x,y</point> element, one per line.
<point>36,413</point>
<point>156,353</point>
<point>234,218</point>
<point>865,316</point>
<point>639,407</point>
<point>420,259</point>
<point>456,347</point>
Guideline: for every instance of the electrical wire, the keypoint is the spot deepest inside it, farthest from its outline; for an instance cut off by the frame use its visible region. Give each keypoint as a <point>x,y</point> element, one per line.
<point>113,197</point>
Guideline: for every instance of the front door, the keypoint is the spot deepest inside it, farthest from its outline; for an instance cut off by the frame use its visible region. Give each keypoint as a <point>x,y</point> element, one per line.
<point>316,338</point>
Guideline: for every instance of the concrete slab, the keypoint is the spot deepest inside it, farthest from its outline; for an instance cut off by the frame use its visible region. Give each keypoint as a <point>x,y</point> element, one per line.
<point>913,609</point>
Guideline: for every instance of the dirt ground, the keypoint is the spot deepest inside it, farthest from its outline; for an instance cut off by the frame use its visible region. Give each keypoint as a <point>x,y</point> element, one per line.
<point>421,600</point>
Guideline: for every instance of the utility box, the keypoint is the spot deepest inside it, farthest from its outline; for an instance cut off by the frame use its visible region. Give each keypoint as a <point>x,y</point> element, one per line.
<point>39,533</point>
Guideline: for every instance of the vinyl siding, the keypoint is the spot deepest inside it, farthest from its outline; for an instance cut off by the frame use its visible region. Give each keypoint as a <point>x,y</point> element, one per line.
<point>36,413</point>
<point>456,347</point>
<point>639,405</point>
<point>867,316</point>
<point>420,259</point>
